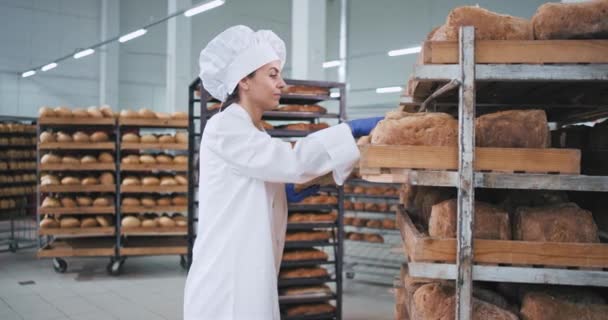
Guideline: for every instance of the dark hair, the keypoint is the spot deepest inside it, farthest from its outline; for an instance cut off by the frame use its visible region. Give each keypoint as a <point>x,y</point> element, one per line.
<point>234,96</point>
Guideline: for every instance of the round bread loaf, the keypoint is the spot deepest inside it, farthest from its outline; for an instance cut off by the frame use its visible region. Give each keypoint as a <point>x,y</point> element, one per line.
<point>147,159</point>
<point>49,202</point>
<point>179,201</point>
<point>128,114</point>
<point>70,180</point>
<point>181,179</point>
<point>90,181</point>
<point>69,222</point>
<point>104,221</point>
<point>70,160</point>
<point>106,178</point>
<point>106,111</point>
<point>99,136</point>
<point>88,159</point>
<point>80,136</point>
<point>146,113</point>
<point>148,202</point>
<point>63,112</point>
<point>46,112</point>
<point>163,201</point>
<point>181,159</point>
<point>149,223</point>
<point>131,202</point>
<point>50,158</point>
<point>130,222</point>
<point>89,222</point>
<point>49,223</point>
<point>102,202</point>
<point>163,115</point>
<point>166,222</point>
<point>80,113</point>
<point>130,138</point>
<point>130,159</point>
<point>181,137</point>
<point>64,137</point>
<point>164,159</point>
<point>68,202</point>
<point>105,157</point>
<point>47,136</point>
<point>94,112</point>
<point>131,181</point>
<point>179,115</point>
<point>148,138</point>
<point>84,201</point>
<point>165,138</point>
<point>168,181</point>
<point>150,181</point>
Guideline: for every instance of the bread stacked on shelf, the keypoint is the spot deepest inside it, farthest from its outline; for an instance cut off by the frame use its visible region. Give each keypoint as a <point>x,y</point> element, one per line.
<point>151,180</point>
<point>320,199</point>
<point>311,108</point>
<point>65,112</point>
<point>180,138</point>
<point>154,221</point>
<point>144,113</point>
<point>76,221</point>
<point>17,164</point>
<point>305,90</point>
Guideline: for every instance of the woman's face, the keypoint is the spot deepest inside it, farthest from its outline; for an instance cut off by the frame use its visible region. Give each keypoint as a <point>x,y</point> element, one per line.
<point>264,88</point>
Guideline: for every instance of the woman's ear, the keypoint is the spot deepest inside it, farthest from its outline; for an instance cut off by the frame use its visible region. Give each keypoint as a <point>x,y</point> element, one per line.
<point>244,84</point>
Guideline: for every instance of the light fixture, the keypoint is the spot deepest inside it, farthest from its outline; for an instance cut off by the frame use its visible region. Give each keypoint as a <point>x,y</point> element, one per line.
<point>49,66</point>
<point>132,35</point>
<point>400,52</point>
<point>83,53</point>
<point>389,89</point>
<point>204,7</point>
<point>28,73</point>
<point>335,94</point>
<point>331,64</point>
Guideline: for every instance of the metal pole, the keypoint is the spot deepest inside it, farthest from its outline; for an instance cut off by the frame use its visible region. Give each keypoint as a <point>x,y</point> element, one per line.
<point>466,188</point>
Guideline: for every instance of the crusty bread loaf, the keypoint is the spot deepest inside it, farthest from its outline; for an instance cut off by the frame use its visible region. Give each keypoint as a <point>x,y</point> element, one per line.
<point>150,181</point>
<point>168,181</point>
<point>102,202</point>
<point>46,112</point>
<point>131,201</point>
<point>312,272</point>
<point>47,136</point>
<point>306,90</point>
<point>130,159</point>
<point>84,201</point>
<point>180,220</point>
<point>63,112</point>
<point>542,306</point>
<point>513,129</point>
<point>70,180</point>
<point>308,290</point>
<point>106,178</point>
<point>437,301</point>
<point>432,129</point>
<point>303,108</point>
<point>309,309</point>
<point>70,160</point>
<point>166,222</point>
<point>105,157</point>
<point>148,138</point>
<point>69,222</point>
<point>89,222</point>
<point>49,202</point>
<point>181,179</point>
<point>99,136</point>
<point>164,159</point>
<point>165,138</point>
<point>304,254</point>
<point>80,136</point>
<point>588,19</point>
<point>181,137</point>
<point>88,159</point>
<point>373,237</point>
<point>94,112</point>
<point>313,217</point>
<point>308,236</point>
<point>148,202</point>
<point>48,223</point>
<point>130,222</point>
<point>50,158</point>
<point>179,115</point>
<point>180,159</point>
<point>147,159</point>
<point>104,221</point>
<point>488,25</point>
<point>163,201</point>
<point>163,115</point>
<point>555,223</point>
<point>80,113</point>
<point>130,138</point>
<point>131,181</point>
<point>89,181</point>
<point>68,202</point>
<point>490,222</point>
<point>107,111</point>
<point>128,114</point>
<point>146,114</point>
<point>179,201</point>
<point>64,137</point>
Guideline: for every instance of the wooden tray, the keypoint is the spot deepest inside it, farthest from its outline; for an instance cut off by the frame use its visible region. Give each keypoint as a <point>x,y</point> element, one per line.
<point>154,167</point>
<point>156,209</point>
<point>97,231</point>
<point>374,158</point>
<point>87,247</point>
<point>77,167</point>
<point>154,231</point>
<point>148,246</point>
<point>77,121</point>
<point>153,146</point>
<point>78,210</point>
<point>77,146</point>
<point>153,189</point>
<point>422,248</point>
<point>156,123</point>
<point>78,188</point>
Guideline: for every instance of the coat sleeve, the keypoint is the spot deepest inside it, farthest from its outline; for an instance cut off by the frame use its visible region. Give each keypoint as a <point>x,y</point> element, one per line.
<point>255,154</point>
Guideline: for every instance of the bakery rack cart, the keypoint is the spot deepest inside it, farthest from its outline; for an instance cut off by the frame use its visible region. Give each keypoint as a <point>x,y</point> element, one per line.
<point>372,261</point>
<point>199,101</point>
<point>490,75</point>
<point>149,241</point>
<point>17,182</point>
<point>60,243</point>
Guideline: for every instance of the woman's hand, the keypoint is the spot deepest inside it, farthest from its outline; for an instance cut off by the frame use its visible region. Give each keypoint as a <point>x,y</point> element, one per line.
<point>362,127</point>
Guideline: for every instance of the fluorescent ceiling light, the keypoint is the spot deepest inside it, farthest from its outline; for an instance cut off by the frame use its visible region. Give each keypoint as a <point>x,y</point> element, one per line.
<point>335,94</point>
<point>28,73</point>
<point>400,52</point>
<point>49,66</point>
<point>83,53</point>
<point>331,64</point>
<point>132,35</point>
<point>204,7</point>
<point>389,89</point>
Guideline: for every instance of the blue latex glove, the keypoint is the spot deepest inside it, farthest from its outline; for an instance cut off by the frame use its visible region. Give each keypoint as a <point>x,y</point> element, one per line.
<point>294,196</point>
<point>362,127</point>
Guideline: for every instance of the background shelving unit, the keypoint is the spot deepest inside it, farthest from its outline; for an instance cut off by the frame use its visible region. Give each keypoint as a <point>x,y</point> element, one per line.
<point>149,241</point>
<point>199,114</point>
<point>60,243</point>
<point>17,183</point>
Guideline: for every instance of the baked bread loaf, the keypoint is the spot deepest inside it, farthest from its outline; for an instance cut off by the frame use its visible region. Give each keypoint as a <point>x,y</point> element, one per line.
<point>164,159</point>
<point>80,113</point>
<point>181,159</point>
<point>179,115</point>
<point>555,223</point>
<point>103,202</point>
<point>389,224</point>
<point>68,202</point>
<point>374,224</point>
<point>584,20</point>
<point>89,222</point>
<point>179,201</point>
<point>130,222</point>
<point>309,309</point>
<point>148,202</point>
<point>70,181</point>
<point>46,112</point>
<point>543,306</point>
<point>513,129</point>
<point>181,179</point>
<point>294,273</point>
<point>130,159</point>
<point>306,90</point>
<point>150,181</point>
<point>163,115</point>
<point>148,138</point>
<point>84,201</point>
<point>70,160</point>
<point>165,138</point>
<point>163,201</point>
<point>374,238</point>
<point>490,222</point>
<point>88,159</point>
<point>128,114</point>
<point>50,158</point>
<point>49,202</point>
<point>308,236</point>
<point>149,223</point>
<point>488,25</point>
<point>47,136</point>
<point>417,129</point>
<point>166,222</point>
<point>106,178</point>
<point>80,136</point>
<point>308,290</point>
<point>354,236</point>
<point>104,221</point>
<point>181,137</point>
<point>130,138</point>
<point>146,114</point>
<point>303,108</point>
<point>131,201</point>
<point>69,222</point>
<point>94,112</point>
<point>180,220</point>
<point>107,111</point>
<point>313,217</point>
<point>147,159</point>
<point>48,223</point>
<point>89,181</point>
<point>99,136</point>
<point>64,137</point>
<point>131,181</point>
<point>105,157</point>
<point>304,254</point>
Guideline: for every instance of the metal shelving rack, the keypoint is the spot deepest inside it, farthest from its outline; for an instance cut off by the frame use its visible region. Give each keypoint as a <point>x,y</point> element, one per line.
<point>366,261</point>
<point>20,225</point>
<point>198,118</point>
<point>467,75</point>
<point>148,241</point>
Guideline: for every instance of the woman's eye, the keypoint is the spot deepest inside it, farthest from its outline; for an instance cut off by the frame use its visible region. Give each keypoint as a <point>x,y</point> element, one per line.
<point>273,75</point>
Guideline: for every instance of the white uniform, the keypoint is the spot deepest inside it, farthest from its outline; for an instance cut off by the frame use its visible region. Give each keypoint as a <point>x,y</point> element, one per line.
<point>243,211</point>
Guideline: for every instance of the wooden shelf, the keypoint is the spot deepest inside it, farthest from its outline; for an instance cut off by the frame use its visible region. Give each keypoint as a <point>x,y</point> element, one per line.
<point>97,231</point>
<point>153,189</point>
<point>154,231</point>
<point>77,146</point>
<point>421,248</point>
<point>155,209</point>
<point>154,246</point>
<point>89,247</point>
<point>78,210</point>
<point>154,167</point>
<point>153,146</point>
<point>154,123</point>
<point>77,167</point>
<point>78,188</point>
<point>72,121</point>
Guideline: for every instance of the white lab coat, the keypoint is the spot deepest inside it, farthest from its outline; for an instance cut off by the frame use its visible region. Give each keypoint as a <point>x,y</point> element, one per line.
<point>243,212</point>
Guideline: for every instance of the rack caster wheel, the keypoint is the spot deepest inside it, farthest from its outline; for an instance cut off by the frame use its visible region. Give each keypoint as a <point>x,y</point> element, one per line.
<point>183,262</point>
<point>60,265</point>
<point>13,246</point>
<point>350,275</point>
<point>115,266</point>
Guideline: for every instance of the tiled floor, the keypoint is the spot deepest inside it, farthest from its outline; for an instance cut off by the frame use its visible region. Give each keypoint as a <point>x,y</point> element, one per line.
<point>150,288</point>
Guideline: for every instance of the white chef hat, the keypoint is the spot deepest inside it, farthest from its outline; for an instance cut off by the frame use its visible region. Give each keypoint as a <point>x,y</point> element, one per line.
<point>235,53</point>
